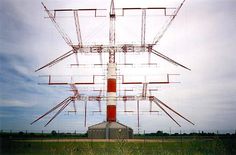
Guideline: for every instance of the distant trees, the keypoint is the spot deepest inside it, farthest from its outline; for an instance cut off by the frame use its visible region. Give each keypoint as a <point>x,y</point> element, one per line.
<point>21,133</point>
<point>54,133</point>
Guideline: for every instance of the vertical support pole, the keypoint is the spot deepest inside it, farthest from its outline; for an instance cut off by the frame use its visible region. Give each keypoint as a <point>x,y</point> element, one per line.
<point>49,79</point>
<point>143,32</point>
<point>111,70</point>
<point>74,106</point>
<point>143,28</point>
<point>124,51</point>
<point>124,57</point>
<point>85,113</point>
<point>100,107</point>
<point>112,33</point>
<point>150,110</point>
<point>144,92</point>
<point>149,58</point>
<point>125,101</point>
<point>150,101</point>
<point>138,114</point>
<point>99,101</point>
<point>100,55</point>
<point>125,106</point>
<point>149,54</point>
<point>111,93</point>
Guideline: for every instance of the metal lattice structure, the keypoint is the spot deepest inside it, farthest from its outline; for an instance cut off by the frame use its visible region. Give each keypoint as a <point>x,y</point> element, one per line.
<point>113,79</point>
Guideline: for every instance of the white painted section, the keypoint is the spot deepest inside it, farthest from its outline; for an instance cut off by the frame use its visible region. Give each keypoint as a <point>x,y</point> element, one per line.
<point>111,74</point>
<point>111,71</point>
<point>111,98</point>
<point>111,94</point>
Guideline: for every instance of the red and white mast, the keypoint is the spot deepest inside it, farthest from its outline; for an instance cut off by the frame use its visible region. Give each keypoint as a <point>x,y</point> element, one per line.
<point>111,70</point>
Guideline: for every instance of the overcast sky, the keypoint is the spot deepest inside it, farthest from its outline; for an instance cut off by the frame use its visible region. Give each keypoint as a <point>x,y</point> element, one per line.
<point>201,37</point>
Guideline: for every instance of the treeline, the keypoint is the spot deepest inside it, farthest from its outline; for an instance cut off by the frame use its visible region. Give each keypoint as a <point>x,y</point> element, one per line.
<point>53,134</point>
<point>162,134</point>
<point>202,133</point>
<point>57,134</point>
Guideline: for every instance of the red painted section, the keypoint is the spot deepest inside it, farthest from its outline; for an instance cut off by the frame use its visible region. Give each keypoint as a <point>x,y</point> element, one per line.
<point>111,113</point>
<point>111,85</point>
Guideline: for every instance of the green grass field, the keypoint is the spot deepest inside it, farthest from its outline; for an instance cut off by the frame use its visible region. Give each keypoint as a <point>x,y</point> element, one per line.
<point>197,146</point>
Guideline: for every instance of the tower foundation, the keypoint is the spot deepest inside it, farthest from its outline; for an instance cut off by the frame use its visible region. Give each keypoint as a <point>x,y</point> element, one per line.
<point>110,130</point>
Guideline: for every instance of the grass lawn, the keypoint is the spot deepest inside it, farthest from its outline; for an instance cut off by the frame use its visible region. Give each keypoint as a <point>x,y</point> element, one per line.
<point>196,146</point>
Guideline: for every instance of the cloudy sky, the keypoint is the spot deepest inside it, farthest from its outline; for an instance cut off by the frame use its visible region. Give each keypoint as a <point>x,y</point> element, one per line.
<point>202,37</point>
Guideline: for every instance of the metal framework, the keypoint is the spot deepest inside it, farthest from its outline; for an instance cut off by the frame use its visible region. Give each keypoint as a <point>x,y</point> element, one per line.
<point>112,78</point>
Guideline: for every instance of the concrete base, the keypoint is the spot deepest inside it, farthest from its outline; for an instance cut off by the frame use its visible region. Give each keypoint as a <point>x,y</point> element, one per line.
<point>110,130</point>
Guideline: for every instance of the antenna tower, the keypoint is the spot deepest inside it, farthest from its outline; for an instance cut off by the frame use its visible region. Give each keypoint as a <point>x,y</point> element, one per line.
<point>114,81</point>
